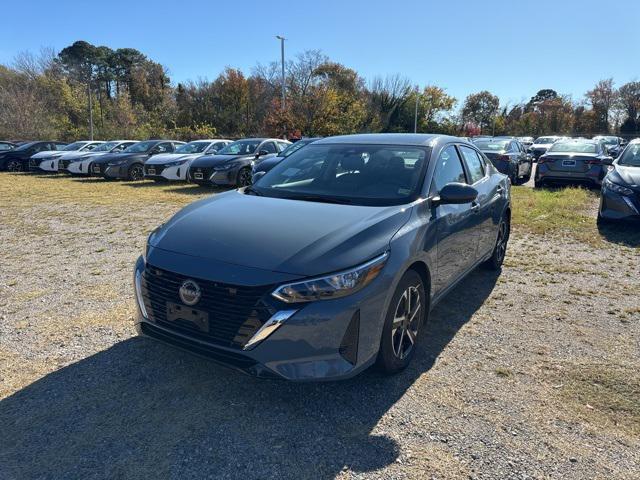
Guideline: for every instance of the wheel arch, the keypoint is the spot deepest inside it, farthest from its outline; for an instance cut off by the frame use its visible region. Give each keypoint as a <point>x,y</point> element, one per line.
<point>422,269</point>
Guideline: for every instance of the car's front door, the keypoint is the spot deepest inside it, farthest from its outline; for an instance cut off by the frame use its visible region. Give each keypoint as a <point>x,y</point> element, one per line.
<point>456,234</point>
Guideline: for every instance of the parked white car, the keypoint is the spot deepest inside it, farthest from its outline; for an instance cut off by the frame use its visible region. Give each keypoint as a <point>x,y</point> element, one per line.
<point>80,162</point>
<point>48,161</point>
<point>175,166</point>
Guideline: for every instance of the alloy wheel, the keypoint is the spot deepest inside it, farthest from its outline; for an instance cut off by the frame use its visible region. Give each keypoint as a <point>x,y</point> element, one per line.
<point>136,173</point>
<point>406,321</point>
<point>14,166</point>
<point>501,243</point>
<point>244,177</point>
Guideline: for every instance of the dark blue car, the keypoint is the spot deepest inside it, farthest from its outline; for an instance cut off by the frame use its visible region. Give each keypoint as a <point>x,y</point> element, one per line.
<point>331,262</point>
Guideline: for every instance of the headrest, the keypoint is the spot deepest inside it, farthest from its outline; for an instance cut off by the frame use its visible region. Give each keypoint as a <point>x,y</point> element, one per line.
<point>352,163</point>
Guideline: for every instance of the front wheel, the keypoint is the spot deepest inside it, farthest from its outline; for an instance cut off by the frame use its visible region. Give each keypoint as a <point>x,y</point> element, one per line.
<point>244,177</point>
<point>405,316</point>
<point>14,166</point>
<point>500,249</point>
<point>135,172</point>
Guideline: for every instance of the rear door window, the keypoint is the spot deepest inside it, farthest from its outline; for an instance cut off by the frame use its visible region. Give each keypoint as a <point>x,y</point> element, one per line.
<point>473,162</point>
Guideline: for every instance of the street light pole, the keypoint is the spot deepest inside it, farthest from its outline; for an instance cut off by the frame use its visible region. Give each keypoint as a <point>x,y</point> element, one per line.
<point>90,111</point>
<point>415,117</point>
<point>282,39</point>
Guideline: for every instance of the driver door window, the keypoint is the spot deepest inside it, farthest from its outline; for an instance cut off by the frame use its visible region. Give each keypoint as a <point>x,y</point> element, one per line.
<point>448,169</point>
<point>269,147</point>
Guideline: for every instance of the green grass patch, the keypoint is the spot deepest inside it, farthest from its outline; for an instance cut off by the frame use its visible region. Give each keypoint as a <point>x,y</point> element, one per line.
<point>567,211</point>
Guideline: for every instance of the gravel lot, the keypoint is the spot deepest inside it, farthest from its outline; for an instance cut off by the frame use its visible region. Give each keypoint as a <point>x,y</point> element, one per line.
<point>530,374</point>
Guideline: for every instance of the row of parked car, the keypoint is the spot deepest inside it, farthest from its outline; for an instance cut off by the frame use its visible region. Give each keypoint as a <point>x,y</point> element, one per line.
<point>218,162</point>
<point>605,162</point>
<point>223,162</point>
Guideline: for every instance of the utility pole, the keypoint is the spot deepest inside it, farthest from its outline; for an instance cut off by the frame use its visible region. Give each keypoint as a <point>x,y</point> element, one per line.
<point>90,112</point>
<point>282,39</point>
<point>415,117</point>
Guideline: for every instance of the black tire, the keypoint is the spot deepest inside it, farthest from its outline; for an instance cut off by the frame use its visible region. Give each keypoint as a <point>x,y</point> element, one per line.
<point>500,248</point>
<point>135,172</point>
<point>513,176</point>
<point>244,177</point>
<point>14,166</point>
<point>402,324</point>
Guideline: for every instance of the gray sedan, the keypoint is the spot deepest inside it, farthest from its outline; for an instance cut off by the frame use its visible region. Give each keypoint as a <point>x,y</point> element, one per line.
<point>331,262</point>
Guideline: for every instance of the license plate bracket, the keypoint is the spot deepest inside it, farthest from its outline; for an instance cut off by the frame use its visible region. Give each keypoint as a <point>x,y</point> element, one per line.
<point>182,313</point>
<point>568,163</point>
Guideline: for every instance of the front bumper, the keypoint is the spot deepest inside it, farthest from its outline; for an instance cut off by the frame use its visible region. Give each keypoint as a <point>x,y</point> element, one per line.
<point>79,168</point>
<point>113,172</point>
<point>210,177</point>
<point>614,206</point>
<point>161,172</point>
<point>315,343</point>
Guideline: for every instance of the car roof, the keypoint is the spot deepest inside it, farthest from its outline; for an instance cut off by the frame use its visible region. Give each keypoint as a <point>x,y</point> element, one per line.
<point>414,139</point>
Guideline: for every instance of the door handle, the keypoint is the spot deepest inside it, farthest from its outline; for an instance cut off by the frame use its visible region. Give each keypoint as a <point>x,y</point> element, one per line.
<point>475,207</point>
<point>500,189</point>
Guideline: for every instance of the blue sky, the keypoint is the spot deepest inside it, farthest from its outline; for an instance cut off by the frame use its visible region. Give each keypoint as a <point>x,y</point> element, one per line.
<point>511,48</point>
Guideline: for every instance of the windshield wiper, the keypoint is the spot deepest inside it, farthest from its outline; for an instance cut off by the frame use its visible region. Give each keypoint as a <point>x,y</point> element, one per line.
<point>320,198</point>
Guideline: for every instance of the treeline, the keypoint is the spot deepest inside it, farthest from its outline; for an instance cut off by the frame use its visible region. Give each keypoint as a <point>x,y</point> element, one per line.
<point>128,95</point>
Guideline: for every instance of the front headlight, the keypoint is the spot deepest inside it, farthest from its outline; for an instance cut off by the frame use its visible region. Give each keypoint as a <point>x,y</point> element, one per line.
<point>176,163</point>
<point>331,286</point>
<point>224,166</point>
<point>614,187</point>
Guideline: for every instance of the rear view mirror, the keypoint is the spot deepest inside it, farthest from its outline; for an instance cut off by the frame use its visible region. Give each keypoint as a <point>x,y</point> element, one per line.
<point>455,193</point>
<point>262,152</point>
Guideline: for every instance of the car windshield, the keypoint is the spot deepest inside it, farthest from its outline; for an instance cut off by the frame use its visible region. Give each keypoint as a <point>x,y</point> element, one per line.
<point>140,147</point>
<point>193,147</point>
<point>294,147</point>
<point>24,146</point>
<point>348,173</point>
<point>105,147</point>
<point>607,140</point>
<point>544,140</point>
<point>574,147</point>
<point>74,146</point>
<point>491,145</point>
<point>241,147</point>
<point>631,156</point>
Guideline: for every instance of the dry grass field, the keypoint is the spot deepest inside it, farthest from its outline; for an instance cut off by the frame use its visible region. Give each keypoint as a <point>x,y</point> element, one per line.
<point>533,373</point>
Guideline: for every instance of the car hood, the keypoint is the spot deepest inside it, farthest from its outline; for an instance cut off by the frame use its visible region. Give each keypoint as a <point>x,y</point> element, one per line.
<point>626,175</point>
<point>268,162</point>
<point>171,157</point>
<point>73,155</point>
<point>211,160</point>
<point>112,157</point>
<point>48,154</point>
<point>288,236</point>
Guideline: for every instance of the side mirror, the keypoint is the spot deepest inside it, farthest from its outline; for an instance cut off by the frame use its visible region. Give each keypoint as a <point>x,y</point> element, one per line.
<point>213,151</point>
<point>607,160</point>
<point>454,194</point>
<point>257,176</point>
<point>262,152</point>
